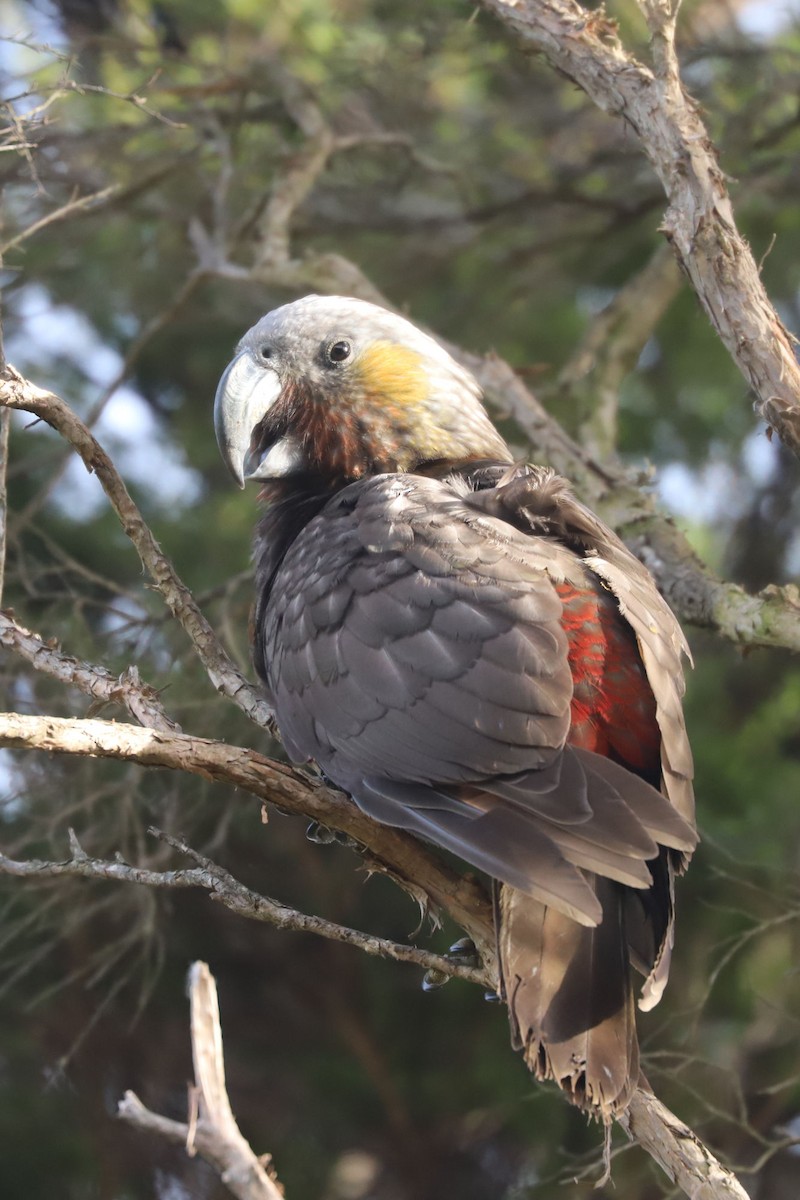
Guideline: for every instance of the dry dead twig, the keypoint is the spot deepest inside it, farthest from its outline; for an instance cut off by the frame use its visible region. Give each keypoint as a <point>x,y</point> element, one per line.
<point>212,1131</point>
<point>140,699</point>
<point>234,895</point>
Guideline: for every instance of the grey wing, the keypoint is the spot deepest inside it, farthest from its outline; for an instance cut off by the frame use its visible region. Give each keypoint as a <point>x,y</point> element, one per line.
<point>536,499</point>
<point>416,651</point>
<point>400,643</point>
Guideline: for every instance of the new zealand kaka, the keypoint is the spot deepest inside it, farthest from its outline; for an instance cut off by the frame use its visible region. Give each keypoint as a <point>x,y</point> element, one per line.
<point>473,656</point>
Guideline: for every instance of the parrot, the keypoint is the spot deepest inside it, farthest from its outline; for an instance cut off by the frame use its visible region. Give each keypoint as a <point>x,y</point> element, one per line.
<point>472,655</point>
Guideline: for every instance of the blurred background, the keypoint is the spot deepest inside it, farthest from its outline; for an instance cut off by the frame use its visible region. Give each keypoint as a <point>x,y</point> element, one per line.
<point>486,197</point>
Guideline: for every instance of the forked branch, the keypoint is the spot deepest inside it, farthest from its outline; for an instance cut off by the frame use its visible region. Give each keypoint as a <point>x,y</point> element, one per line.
<point>211,1130</point>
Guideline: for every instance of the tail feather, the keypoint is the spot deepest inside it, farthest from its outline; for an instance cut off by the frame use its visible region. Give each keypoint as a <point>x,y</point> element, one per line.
<point>650,927</point>
<point>570,997</point>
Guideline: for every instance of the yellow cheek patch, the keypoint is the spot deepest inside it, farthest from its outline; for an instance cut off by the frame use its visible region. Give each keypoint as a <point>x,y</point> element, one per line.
<point>393,375</point>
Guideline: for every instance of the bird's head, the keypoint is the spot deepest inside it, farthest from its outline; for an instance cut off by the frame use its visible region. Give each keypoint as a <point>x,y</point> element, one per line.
<point>343,389</point>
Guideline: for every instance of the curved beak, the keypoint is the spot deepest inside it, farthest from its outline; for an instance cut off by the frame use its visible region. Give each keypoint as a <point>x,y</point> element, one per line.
<point>246,393</point>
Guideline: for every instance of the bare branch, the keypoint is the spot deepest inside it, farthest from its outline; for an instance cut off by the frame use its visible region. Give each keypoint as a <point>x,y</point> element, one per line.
<point>133,98</point>
<point>432,883</point>
<point>678,1150</point>
<point>212,1132</point>
<point>70,209</point>
<point>771,617</point>
<point>699,221</point>
<point>18,393</point>
<point>140,699</point>
<point>233,894</point>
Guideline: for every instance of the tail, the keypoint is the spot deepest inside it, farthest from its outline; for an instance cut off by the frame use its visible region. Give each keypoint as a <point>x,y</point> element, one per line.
<point>570,997</point>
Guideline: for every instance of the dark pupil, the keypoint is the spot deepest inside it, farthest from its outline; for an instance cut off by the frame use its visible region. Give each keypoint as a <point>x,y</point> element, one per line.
<point>339,351</point>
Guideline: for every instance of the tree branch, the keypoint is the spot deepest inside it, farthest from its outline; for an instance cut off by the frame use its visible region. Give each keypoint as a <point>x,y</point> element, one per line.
<point>699,220</point>
<point>19,393</point>
<point>678,1150</point>
<point>771,617</point>
<point>212,1131</point>
<point>418,870</point>
<point>234,895</point>
<point>79,204</point>
<point>660,1133</point>
<point>608,351</point>
<point>140,699</point>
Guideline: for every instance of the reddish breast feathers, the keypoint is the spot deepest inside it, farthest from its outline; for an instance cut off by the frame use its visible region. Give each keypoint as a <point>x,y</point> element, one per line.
<point>613,709</point>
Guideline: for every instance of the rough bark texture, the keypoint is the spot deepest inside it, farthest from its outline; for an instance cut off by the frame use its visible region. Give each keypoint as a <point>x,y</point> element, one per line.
<point>699,220</point>
<point>678,1150</point>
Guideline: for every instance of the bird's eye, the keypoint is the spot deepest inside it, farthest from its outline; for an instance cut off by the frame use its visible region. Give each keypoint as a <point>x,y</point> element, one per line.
<point>338,352</point>
<point>265,352</point>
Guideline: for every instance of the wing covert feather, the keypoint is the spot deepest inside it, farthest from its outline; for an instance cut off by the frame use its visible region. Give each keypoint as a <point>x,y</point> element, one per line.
<point>403,630</point>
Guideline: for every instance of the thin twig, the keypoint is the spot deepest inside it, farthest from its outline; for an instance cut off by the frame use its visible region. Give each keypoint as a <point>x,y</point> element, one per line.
<point>133,98</point>
<point>234,895</point>
<point>81,204</point>
<point>140,699</point>
<point>18,393</point>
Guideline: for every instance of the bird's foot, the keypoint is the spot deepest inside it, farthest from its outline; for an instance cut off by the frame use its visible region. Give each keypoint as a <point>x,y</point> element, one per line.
<point>462,952</point>
<point>323,835</point>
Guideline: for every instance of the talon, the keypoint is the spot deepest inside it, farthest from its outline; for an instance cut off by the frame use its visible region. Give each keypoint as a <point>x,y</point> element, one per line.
<point>492,997</point>
<point>432,980</point>
<point>321,834</point>
<point>464,952</point>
